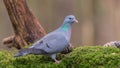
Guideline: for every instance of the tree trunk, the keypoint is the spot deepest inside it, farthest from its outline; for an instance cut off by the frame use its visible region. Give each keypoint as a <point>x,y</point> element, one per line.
<point>26,27</point>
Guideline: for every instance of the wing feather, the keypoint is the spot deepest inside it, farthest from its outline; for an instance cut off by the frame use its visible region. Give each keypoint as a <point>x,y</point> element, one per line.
<point>52,43</point>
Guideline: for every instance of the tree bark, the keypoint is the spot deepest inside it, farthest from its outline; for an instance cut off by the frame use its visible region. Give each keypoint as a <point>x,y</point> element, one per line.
<point>26,27</point>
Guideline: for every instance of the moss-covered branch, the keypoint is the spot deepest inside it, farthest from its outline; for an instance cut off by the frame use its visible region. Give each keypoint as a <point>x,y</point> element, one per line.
<point>81,57</point>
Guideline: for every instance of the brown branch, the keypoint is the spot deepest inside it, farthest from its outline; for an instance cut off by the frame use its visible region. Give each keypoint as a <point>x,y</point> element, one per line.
<point>26,27</point>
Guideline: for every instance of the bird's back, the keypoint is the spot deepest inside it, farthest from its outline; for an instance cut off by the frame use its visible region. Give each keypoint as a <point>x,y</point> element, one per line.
<point>52,43</point>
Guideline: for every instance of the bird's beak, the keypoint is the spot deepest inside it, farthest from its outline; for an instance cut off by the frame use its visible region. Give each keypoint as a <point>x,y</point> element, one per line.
<point>76,21</point>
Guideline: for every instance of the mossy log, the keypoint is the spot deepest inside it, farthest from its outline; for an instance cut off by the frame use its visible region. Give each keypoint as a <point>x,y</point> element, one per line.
<point>81,57</point>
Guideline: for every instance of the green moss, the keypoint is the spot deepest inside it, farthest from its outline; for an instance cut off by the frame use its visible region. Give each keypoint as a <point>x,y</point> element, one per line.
<point>81,57</point>
<point>94,57</point>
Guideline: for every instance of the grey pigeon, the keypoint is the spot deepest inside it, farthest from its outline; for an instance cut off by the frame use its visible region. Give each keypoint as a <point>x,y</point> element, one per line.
<point>54,42</point>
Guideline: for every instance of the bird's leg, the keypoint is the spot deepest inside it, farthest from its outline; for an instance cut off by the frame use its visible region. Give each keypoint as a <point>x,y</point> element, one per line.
<point>71,45</point>
<point>53,56</point>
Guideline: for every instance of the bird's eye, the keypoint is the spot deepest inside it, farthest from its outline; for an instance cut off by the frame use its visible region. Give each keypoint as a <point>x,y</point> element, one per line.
<point>70,18</point>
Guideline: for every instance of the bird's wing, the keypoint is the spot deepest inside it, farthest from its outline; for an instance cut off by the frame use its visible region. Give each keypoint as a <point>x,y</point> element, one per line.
<point>52,43</point>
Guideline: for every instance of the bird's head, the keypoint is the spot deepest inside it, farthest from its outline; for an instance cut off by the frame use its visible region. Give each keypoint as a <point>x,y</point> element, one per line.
<point>70,19</point>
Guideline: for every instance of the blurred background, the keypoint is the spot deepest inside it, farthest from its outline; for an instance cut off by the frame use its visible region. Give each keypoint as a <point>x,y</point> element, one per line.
<point>99,20</point>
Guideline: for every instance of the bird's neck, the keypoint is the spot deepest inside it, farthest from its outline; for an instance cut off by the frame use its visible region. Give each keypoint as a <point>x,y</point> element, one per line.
<point>66,27</point>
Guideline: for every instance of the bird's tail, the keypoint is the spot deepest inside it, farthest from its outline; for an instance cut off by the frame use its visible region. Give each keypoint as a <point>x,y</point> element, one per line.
<point>30,51</point>
<point>23,52</point>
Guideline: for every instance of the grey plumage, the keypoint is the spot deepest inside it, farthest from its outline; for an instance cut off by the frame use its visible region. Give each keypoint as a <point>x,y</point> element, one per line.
<point>54,42</point>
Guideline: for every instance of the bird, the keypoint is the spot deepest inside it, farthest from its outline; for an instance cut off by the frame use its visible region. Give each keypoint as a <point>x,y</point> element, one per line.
<point>52,43</point>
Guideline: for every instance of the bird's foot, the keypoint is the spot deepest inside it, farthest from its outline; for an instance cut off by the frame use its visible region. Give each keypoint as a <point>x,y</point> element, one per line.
<point>71,46</point>
<point>57,62</point>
